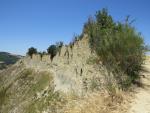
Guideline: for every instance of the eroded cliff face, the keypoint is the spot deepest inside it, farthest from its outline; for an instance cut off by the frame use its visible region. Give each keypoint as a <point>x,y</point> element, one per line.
<point>72,69</point>
<point>34,85</point>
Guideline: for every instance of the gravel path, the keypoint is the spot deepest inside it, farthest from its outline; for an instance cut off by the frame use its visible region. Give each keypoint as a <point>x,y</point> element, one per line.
<point>141,102</point>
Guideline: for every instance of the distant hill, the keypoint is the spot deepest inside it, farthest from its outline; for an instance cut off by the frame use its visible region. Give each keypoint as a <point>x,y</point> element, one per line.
<point>7,59</point>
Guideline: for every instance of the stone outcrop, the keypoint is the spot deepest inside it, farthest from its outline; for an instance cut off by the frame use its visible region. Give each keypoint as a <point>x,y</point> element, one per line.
<point>70,68</point>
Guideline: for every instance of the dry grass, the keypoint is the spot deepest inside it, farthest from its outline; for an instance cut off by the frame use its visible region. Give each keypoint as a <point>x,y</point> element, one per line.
<point>98,103</point>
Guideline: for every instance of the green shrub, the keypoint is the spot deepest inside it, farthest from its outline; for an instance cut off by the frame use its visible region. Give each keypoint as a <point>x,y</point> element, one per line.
<point>118,45</point>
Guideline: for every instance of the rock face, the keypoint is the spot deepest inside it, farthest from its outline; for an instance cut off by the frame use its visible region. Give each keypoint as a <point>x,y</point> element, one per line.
<point>32,84</point>
<point>71,68</point>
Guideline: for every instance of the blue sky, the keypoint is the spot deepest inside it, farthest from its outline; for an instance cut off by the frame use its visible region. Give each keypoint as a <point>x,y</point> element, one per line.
<point>39,23</point>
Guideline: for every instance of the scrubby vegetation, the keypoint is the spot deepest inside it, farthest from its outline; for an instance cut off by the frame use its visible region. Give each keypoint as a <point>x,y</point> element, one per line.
<point>32,92</point>
<point>118,45</point>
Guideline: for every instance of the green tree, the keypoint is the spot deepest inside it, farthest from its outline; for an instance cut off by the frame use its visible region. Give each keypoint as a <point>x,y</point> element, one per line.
<point>103,19</point>
<point>32,51</point>
<point>52,50</point>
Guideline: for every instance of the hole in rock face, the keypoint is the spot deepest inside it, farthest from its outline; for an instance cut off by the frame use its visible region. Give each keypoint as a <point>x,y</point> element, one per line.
<point>81,72</point>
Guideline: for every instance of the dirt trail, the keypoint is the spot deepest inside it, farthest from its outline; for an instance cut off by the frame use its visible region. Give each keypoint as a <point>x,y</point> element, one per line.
<point>141,102</point>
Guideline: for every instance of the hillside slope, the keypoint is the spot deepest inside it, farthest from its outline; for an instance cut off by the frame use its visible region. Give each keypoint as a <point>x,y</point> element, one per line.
<point>34,85</point>
<point>7,59</point>
<point>71,83</point>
